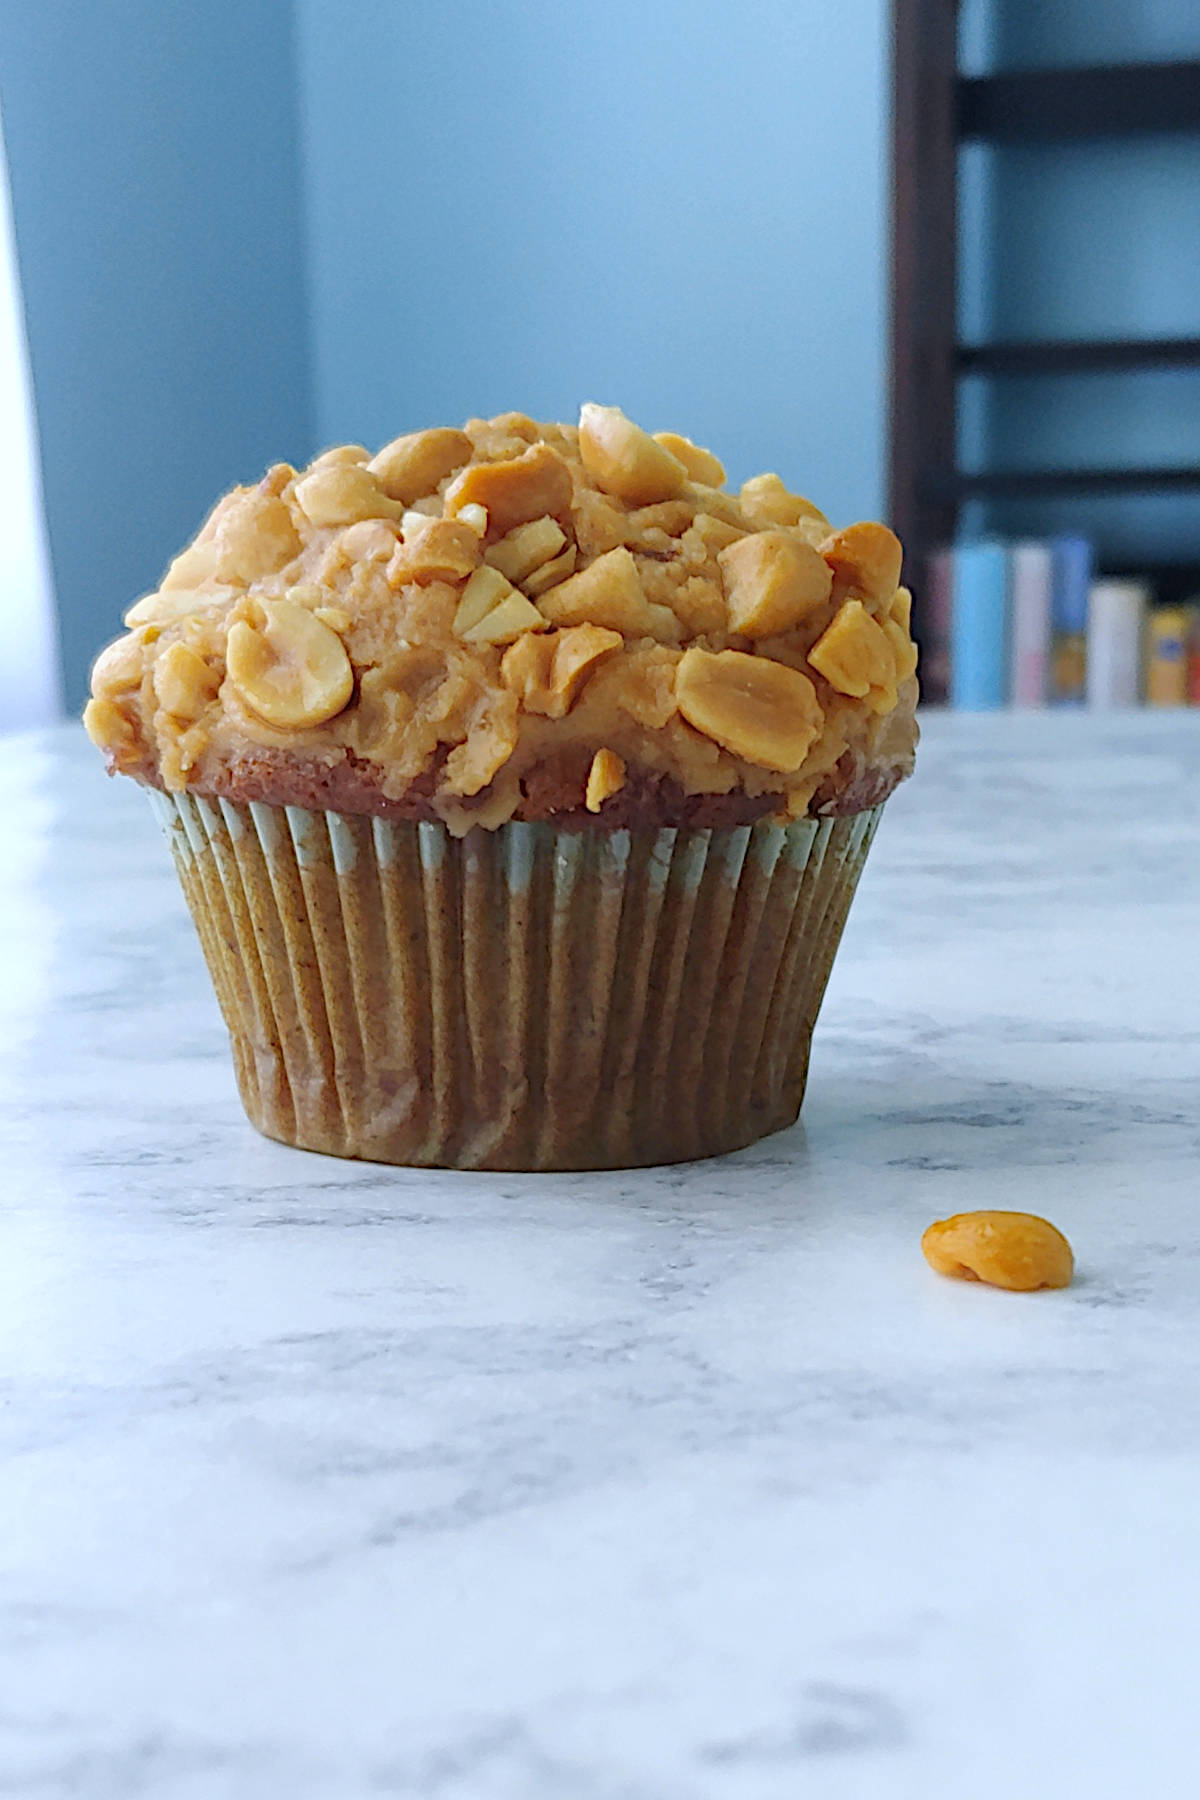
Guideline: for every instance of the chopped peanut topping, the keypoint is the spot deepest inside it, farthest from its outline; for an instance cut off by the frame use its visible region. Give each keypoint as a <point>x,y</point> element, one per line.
<point>527,548</point>
<point>434,550</point>
<point>865,559</point>
<point>766,501</point>
<point>1013,1250</point>
<point>854,654</point>
<point>289,668</point>
<point>526,487</point>
<point>551,574</point>
<point>514,616</point>
<point>183,681</point>
<point>773,582</point>
<point>624,460</point>
<point>760,710</point>
<point>254,538</point>
<point>468,614</point>
<point>605,778</point>
<point>607,592</point>
<point>414,464</point>
<point>548,672</point>
<point>341,493</point>
<point>701,465</point>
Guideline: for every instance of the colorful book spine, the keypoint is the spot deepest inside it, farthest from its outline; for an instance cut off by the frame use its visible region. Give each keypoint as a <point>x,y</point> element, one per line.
<point>1115,621</point>
<point>1069,613</point>
<point>1193,657</point>
<point>1166,657</point>
<point>1032,572</point>
<point>979,631</point>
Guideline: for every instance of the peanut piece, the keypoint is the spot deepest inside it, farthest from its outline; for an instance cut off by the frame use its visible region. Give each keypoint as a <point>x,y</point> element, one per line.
<point>762,711</point>
<point>624,460</point>
<point>717,504</point>
<point>607,592</point>
<point>414,464</point>
<point>1013,1250</point>
<point>510,619</point>
<point>342,494</point>
<point>108,727</point>
<point>179,603</point>
<point>290,669</point>
<point>254,538</point>
<point>707,535</point>
<point>118,668</point>
<point>196,564</point>
<point>904,651</point>
<point>551,574</point>
<point>701,465</point>
<point>472,515</point>
<point>522,488</point>
<point>773,581</point>
<point>547,673</point>
<point>854,654</point>
<point>866,559</point>
<point>486,588</point>
<point>901,609</point>
<point>336,457</point>
<point>527,548</point>
<point>605,778</point>
<point>766,501</point>
<point>183,682</point>
<point>434,550</point>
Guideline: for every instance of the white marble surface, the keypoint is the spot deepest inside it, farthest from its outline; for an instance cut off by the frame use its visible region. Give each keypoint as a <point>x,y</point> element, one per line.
<point>326,1480</point>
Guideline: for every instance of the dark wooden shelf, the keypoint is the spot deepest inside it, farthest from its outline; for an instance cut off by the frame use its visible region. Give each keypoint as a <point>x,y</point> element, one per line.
<point>996,483</point>
<point>1078,357</point>
<point>1053,104</point>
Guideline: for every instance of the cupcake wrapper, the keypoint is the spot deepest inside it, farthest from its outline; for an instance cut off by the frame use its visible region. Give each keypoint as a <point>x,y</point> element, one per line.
<point>524,998</point>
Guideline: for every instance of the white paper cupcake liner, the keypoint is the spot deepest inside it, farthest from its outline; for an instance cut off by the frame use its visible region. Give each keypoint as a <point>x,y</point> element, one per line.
<point>524,998</point>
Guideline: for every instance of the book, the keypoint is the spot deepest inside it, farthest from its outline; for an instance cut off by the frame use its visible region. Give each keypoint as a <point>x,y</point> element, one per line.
<point>979,627</point>
<point>1069,610</point>
<point>1116,613</point>
<point>936,625</point>
<point>1031,575</point>
<point>1193,655</point>
<point>1166,656</point>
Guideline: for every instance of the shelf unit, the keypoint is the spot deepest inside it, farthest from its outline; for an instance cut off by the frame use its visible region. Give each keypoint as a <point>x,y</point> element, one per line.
<point>935,110</point>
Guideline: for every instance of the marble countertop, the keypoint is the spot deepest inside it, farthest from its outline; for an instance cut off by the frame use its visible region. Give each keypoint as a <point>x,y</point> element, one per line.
<point>329,1480</point>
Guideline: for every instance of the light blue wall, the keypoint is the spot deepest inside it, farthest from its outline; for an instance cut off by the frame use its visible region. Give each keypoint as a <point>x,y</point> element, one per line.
<point>679,207</point>
<point>1085,240</point>
<point>153,157</point>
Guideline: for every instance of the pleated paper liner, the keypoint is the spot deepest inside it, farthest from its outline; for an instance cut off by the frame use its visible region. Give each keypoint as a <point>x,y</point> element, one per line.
<point>524,998</point>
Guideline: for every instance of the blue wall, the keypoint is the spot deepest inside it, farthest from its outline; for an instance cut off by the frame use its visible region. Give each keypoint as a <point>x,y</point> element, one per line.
<point>156,200</point>
<point>677,207</point>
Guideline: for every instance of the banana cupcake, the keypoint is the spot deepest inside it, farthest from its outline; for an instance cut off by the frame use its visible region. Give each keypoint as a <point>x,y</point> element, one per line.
<point>518,778</point>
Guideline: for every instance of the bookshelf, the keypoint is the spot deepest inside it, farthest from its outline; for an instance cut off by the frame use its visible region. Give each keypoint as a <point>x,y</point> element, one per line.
<point>936,111</point>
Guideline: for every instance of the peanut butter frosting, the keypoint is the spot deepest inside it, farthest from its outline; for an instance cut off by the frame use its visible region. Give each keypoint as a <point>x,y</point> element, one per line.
<point>520,621</point>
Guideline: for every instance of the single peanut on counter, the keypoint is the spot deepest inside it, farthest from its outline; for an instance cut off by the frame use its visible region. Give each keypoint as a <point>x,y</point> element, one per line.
<point>1013,1250</point>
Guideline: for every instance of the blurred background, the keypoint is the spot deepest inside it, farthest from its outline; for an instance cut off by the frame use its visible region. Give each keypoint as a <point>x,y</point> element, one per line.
<point>241,230</point>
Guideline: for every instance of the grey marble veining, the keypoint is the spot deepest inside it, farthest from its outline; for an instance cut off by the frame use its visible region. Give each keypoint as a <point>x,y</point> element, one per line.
<point>326,1480</point>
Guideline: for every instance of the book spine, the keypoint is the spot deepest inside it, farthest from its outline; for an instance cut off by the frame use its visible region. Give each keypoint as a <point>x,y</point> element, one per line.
<point>979,635</point>
<point>1071,581</point>
<point>1193,657</point>
<point>1116,614</point>
<point>1032,590</point>
<point>936,625</point>
<point>1166,657</point>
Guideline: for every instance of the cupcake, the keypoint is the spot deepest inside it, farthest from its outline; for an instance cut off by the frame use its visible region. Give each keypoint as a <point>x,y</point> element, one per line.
<point>518,779</point>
